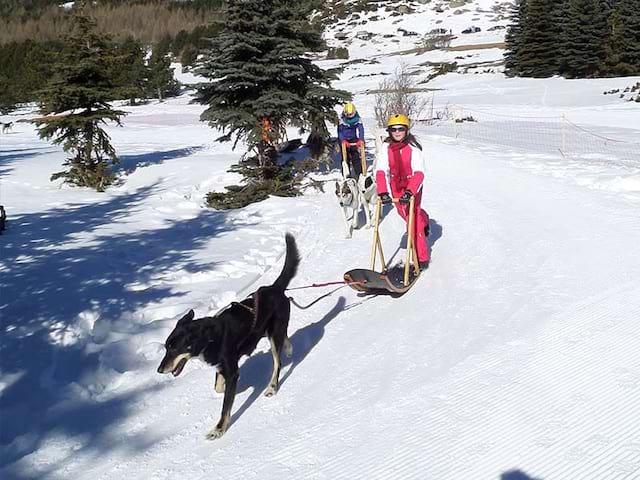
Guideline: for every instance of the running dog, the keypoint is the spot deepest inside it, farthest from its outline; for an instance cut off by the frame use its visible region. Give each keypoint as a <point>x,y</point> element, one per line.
<point>235,331</point>
<point>6,127</point>
<point>353,196</point>
<point>349,199</point>
<point>368,194</point>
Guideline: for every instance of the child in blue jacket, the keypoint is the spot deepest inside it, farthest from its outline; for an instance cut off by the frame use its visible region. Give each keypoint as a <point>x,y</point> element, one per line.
<point>351,137</point>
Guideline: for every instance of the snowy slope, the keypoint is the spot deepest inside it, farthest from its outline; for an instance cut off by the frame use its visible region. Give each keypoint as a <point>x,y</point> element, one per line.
<point>515,356</point>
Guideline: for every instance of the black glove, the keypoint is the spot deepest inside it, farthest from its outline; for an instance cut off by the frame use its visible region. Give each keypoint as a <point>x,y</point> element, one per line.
<point>385,198</point>
<point>406,197</point>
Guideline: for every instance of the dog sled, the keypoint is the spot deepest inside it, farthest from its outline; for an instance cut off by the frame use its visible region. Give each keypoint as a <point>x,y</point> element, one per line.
<point>395,280</point>
<point>345,160</point>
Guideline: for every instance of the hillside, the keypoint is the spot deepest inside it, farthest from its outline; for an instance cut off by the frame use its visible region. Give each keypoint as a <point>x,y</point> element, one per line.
<point>147,21</point>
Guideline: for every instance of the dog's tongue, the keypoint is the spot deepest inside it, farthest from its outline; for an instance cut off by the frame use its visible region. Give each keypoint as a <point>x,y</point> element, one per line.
<point>179,368</point>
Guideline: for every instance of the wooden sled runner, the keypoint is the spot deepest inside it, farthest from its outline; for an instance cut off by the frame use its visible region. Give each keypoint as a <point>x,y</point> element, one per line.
<point>345,162</point>
<point>396,280</point>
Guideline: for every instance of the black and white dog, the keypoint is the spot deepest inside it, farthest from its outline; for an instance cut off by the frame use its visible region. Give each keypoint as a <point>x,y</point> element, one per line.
<point>235,331</point>
<point>6,127</point>
<point>353,196</point>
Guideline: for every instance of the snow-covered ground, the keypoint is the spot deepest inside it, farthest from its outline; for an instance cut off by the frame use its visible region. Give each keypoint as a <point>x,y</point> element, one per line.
<point>514,356</point>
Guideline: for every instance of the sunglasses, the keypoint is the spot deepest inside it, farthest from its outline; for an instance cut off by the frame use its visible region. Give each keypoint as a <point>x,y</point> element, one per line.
<point>397,129</point>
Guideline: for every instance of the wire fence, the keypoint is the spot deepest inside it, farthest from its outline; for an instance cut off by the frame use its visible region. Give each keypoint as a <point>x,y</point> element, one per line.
<point>553,136</point>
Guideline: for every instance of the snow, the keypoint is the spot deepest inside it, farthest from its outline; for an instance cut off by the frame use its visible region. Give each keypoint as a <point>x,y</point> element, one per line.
<point>514,356</point>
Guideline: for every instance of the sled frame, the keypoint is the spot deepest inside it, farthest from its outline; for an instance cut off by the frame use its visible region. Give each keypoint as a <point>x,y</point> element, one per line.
<point>411,259</point>
<point>386,281</point>
<point>345,162</point>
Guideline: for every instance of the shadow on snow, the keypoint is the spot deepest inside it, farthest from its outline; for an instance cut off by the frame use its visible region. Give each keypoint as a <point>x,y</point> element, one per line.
<point>7,157</point>
<point>516,475</point>
<point>255,372</point>
<point>129,163</point>
<point>64,286</point>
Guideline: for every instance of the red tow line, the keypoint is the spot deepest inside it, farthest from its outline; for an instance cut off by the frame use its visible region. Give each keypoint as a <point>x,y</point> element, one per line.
<point>315,285</point>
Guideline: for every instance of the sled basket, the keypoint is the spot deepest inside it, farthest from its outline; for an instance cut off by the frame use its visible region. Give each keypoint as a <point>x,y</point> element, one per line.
<point>375,283</point>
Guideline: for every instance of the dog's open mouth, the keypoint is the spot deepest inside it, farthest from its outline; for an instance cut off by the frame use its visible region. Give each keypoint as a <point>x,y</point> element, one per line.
<point>176,371</point>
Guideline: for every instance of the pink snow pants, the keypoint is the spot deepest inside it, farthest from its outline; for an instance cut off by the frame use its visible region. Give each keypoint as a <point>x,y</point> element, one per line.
<point>421,220</point>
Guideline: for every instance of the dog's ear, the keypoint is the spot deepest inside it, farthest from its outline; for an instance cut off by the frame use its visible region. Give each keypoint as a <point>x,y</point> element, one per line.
<point>187,318</point>
<point>368,181</point>
<point>337,188</point>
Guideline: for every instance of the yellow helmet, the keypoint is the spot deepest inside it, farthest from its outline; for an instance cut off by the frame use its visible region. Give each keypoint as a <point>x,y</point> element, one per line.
<point>349,108</point>
<point>398,119</point>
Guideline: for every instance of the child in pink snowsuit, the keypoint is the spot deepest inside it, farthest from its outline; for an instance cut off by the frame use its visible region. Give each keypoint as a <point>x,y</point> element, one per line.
<point>403,167</point>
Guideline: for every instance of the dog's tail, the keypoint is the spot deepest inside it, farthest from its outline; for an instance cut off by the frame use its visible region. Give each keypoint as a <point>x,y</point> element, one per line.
<point>291,262</point>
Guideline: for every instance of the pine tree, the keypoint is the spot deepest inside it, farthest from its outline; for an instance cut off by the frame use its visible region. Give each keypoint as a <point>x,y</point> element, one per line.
<point>583,52</point>
<point>261,78</point>
<point>561,17</point>
<point>188,56</point>
<point>129,71</point>
<point>7,100</point>
<point>629,11</point>
<point>513,38</point>
<point>161,81</point>
<point>538,55</point>
<point>76,104</point>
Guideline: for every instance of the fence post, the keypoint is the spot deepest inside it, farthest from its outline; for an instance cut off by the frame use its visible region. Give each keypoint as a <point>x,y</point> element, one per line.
<point>563,147</point>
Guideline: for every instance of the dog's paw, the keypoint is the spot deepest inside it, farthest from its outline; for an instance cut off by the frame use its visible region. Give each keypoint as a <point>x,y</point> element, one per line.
<point>271,391</point>
<point>215,434</point>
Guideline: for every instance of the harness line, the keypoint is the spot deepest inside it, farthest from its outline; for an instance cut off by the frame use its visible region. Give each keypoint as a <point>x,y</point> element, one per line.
<point>342,284</point>
<point>315,285</point>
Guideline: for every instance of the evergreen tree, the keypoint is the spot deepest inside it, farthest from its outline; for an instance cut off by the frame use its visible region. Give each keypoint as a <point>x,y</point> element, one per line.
<point>583,51</point>
<point>629,11</point>
<point>7,99</point>
<point>75,103</point>
<point>615,44</point>
<point>129,71</point>
<point>513,38</point>
<point>261,78</point>
<point>161,81</point>
<point>561,17</point>
<point>538,55</point>
<point>189,55</point>
<point>37,67</point>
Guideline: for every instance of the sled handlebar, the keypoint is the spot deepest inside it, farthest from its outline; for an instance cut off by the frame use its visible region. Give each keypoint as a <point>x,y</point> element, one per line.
<point>393,200</point>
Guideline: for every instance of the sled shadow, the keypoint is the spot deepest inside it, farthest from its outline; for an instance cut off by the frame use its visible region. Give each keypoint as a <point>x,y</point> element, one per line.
<point>256,371</point>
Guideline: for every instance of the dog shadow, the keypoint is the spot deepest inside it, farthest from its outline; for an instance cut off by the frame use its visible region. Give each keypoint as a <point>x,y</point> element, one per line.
<point>256,371</point>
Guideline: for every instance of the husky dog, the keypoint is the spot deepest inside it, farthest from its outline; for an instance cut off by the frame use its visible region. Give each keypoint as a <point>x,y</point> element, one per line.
<point>368,195</point>
<point>235,331</point>
<point>349,199</point>
<point>353,196</point>
<point>6,127</point>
